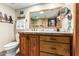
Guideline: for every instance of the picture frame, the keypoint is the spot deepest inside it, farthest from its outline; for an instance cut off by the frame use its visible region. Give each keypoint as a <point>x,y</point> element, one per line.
<point>20,24</point>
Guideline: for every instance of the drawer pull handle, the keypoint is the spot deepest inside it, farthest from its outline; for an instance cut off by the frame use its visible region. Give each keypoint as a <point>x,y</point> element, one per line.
<point>52,39</point>
<point>53,48</point>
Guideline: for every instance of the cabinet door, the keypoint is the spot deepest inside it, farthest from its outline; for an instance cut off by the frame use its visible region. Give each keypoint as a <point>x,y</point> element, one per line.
<point>34,45</point>
<point>24,45</point>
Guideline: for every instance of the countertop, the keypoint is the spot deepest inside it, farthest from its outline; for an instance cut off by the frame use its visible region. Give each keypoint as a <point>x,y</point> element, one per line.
<point>47,33</point>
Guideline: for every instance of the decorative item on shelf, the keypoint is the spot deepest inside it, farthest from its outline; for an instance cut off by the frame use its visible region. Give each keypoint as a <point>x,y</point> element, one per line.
<point>59,21</point>
<point>58,25</point>
<point>5,17</point>
<point>10,19</point>
<point>66,18</point>
<point>1,17</point>
<point>69,21</point>
<point>21,16</point>
<point>58,29</point>
<point>63,11</point>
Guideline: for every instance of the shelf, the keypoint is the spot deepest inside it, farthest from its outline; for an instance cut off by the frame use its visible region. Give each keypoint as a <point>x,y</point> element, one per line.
<point>5,22</point>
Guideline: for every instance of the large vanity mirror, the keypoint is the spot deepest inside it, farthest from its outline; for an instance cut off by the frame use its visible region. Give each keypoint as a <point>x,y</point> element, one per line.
<point>57,19</point>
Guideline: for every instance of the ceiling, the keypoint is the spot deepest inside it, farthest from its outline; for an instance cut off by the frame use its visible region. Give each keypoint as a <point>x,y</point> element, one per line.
<point>20,5</point>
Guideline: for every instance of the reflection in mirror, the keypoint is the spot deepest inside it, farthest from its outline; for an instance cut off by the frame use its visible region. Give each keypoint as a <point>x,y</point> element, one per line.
<point>58,19</point>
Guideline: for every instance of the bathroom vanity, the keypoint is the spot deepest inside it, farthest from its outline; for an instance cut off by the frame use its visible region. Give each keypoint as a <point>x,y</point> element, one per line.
<point>50,34</point>
<point>45,44</point>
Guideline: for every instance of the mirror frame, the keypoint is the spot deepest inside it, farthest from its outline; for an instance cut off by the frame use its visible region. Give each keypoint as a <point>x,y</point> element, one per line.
<point>39,11</point>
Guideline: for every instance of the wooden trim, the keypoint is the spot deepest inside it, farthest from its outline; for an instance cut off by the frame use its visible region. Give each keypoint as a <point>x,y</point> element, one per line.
<point>74,33</point>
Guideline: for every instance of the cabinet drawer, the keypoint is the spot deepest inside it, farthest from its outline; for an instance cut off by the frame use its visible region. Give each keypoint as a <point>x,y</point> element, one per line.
<point>47,48</point>
<point>63,49</point>
<point>55,39</point>
<point>57,48</point>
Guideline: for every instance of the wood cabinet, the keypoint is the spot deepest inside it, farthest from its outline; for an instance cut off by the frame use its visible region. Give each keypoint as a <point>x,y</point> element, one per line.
<point>29,45</point>
<point>40,44</point>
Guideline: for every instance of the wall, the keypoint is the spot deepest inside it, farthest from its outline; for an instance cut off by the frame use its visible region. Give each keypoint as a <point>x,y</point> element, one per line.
<point>6,29</point>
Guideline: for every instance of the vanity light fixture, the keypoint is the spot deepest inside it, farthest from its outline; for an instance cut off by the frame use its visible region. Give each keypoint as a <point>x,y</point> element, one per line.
<point>41,12</point>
